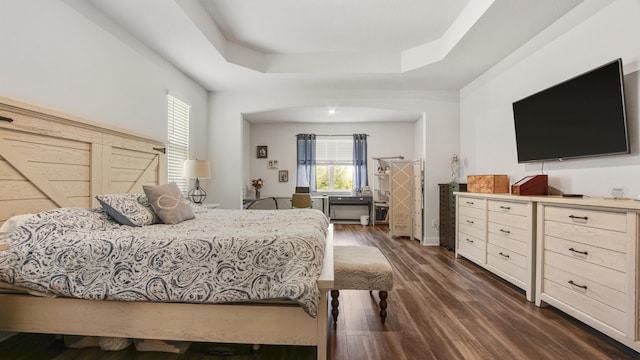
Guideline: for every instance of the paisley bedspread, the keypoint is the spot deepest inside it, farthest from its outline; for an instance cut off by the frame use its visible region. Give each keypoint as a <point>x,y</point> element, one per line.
<point>221,256</point>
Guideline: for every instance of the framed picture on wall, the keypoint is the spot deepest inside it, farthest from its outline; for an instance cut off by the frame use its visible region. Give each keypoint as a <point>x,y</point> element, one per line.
<point>262,151</point>
<point>272,164</point>
<point>283,175</point>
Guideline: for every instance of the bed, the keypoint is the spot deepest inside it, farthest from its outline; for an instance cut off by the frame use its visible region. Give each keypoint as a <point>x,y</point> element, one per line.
<point>49,161</point>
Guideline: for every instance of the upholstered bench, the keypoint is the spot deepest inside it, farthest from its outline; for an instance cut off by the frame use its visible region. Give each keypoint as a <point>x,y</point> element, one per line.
<point>360,268</point>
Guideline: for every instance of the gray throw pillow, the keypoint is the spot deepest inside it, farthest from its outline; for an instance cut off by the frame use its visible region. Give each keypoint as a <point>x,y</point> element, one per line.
<point>168,203</point>
<point>128,209</point>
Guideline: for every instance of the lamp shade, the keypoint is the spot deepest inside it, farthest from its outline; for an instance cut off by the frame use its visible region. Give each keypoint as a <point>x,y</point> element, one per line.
<point>194,169</point>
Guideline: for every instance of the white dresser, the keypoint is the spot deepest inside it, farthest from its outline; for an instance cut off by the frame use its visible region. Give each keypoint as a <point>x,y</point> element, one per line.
<point>579,255</point>
<point>587,263</point>
<point>497,232</point>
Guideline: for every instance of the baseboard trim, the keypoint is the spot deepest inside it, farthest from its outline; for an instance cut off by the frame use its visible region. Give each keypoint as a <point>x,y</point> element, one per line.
<point>431,241</point>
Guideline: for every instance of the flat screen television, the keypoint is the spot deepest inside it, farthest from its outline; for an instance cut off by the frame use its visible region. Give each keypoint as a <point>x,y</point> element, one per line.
<point>580,117</point>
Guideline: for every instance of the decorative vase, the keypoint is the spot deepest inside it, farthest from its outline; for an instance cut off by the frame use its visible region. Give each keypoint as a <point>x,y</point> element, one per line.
<point>257,194</point>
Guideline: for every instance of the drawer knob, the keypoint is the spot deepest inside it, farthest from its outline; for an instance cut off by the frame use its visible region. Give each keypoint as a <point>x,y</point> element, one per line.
<point>579,252</point>
<point>470,202</point>
<point>469,240</point>
<point>6,119</point>
<point>573,217</point>
<point>504,255</point>
<point>577,285</point>
<point>505,231</point>
<point>505,207</point>
<point>469,221</point>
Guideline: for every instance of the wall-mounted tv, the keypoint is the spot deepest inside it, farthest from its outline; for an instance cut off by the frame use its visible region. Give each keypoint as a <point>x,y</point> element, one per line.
<point>583,116</point>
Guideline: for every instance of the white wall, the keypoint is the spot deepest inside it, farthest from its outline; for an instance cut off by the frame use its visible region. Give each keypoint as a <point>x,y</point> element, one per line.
<point>54,57</point>
<point>487,138</point>
<point>230,156</point>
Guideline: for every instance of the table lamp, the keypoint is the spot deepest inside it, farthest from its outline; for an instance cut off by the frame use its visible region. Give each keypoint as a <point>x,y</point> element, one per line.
<point>196,169</point>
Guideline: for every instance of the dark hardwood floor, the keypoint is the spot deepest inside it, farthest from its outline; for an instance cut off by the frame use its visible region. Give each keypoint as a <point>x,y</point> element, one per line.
<point>440,308</point>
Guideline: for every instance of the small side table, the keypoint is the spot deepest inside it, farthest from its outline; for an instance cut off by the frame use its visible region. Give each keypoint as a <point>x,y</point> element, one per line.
<point>210,206</point>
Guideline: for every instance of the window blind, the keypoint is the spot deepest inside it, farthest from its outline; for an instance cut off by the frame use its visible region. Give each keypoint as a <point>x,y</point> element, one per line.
<point>178,134</point>
<point>334,151</point>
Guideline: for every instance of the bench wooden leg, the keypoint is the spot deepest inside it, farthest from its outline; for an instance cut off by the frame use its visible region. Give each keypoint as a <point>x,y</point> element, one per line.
<point>383,305</point>
<point>334,307</point>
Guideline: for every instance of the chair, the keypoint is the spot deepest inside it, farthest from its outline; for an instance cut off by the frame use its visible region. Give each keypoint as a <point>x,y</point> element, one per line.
<point>301,200</point>
<point>269,203</point>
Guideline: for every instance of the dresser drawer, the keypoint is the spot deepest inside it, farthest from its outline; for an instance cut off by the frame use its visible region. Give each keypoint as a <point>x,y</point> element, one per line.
<point>510,232</point>
<point>582,285</point>
<point>610,278</point>
<point>514,221</point>
<point>511,244</point>
<point>591,254</point>
<point>472,248</point>
<point>607,239</point>
<point>592,218</point>
<point>595,309</point>
<point>507,261</point>
<point>471,202</point>
<point>472,231</point>
<point>507,207</point>
<point>507,255</point>
<point>478,214</point>
<point>464,219</point>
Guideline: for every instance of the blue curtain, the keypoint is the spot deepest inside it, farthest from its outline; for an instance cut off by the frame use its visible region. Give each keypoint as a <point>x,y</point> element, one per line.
<point>360,176</point>
<point>306,171</point>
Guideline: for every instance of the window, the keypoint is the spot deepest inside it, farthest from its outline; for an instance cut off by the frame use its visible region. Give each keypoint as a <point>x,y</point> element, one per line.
<point>334,164</point>
<point>178,133</point>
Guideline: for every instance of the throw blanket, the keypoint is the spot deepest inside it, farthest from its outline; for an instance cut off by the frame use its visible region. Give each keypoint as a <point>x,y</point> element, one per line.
<point>221,256</point>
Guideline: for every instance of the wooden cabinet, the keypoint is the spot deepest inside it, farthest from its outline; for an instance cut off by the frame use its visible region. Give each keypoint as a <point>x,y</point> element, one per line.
<point>447,219</point>
<point>587,264</point>
<point>497,232</point>
<point>405,200</point>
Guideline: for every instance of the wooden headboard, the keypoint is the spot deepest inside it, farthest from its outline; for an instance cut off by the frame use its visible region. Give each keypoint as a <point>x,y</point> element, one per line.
<point>50,160</point>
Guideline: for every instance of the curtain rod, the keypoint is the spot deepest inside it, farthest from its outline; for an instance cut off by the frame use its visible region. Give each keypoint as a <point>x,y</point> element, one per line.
<point>389,157</point>
<point>333,134</point>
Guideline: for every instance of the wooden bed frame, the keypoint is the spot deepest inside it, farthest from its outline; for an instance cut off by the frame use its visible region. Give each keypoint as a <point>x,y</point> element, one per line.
<point>244,323</point>
<point>50,160</point>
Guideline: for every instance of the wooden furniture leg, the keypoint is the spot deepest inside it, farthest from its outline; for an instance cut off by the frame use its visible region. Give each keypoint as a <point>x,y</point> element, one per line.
<point>334,307</point>
<point>383,305</point>
<point>361,268</point>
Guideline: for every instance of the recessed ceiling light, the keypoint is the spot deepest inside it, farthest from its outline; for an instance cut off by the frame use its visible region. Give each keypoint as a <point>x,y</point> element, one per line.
<point>332,111</point>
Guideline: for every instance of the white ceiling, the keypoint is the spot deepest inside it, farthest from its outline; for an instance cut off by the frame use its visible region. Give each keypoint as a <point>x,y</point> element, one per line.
<point>246,45</point>
<point>310,26</point>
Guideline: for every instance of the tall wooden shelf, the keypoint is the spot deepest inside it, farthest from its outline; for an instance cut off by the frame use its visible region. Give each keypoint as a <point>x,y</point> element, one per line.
<point>381,194</point>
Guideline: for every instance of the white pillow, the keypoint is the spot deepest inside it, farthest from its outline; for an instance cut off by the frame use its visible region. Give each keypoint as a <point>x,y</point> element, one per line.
<point>128,209</point>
